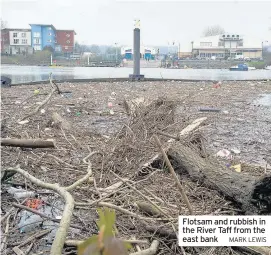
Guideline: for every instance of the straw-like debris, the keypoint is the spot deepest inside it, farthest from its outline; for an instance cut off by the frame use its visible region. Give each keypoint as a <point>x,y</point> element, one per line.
<point>123,170</point>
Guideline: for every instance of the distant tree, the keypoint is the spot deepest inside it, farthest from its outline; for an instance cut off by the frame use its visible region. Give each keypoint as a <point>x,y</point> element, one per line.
<point>48,48</point>
<point>213,30</point>
<point>95,49</point>
<point>112,50</point>
<point>3,24</point>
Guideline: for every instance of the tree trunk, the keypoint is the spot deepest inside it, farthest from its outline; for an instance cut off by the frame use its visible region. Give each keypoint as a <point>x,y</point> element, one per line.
<point>28,143</point>
<point>252,194</point>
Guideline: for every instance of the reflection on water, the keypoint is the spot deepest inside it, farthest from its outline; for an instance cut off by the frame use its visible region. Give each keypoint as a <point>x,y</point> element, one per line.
<point>24,74</point>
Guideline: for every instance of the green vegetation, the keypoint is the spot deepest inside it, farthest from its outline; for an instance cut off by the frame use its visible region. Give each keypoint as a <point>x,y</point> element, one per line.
<point>105,243</point>
<point>257,65</point>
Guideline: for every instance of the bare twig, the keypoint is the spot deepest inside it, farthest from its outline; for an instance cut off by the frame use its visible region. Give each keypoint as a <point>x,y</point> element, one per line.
<point>4,241</point>
<point>177,182</point>
<point>28,143</point>
<point>10,211</point>
<point>18,251</point>
<point>141,194</point>
<point>150,251</point>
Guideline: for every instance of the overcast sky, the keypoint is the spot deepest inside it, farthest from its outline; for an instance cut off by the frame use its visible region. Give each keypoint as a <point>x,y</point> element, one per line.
<point>110,21</point>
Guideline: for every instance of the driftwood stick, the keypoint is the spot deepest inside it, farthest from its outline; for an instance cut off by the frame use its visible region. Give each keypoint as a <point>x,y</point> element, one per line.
<point>18,251</point>
<point>141,194</point>
<point>174,175</point>
<point>150,251</point>
<point>45,101</point>
<point>4,240</point>
<point>194,125</point>
<point>28,143</point>
<point>33,237</point>
<point>10,211</point>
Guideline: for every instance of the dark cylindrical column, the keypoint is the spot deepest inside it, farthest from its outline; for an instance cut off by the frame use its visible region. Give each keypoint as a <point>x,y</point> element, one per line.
<point>136,52</point>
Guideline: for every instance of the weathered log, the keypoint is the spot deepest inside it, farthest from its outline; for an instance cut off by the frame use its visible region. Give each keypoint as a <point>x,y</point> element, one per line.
<point>251,193</point>
<point>28,143</point>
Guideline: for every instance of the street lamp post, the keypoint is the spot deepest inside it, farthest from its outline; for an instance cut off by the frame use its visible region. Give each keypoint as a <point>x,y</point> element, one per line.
<point>192,43</point>
<point>262,47</point>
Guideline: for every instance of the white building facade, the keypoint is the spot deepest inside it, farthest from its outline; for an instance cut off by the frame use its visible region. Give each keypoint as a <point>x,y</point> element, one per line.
<point>20,42</point>
<point>227,45</point>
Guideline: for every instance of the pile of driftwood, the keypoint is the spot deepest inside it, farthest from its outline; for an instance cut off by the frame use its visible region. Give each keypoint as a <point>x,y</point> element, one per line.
<point>151,171</point>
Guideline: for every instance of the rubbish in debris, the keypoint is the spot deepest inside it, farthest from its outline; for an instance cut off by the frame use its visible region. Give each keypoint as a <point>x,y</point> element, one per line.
<point>236,151</point>
<point>224,154</point>
<point>36,92</point>
<point>201,89</point>
<point>110,104</point>
<point>237,168</point>
<point>20,193</point>
<point>68,110</point>
<point>42,111</point>
<point>228,165</point>
<point>47,129</point>
<point>111,112</point>
<point>113,94</point>
<point>209,110</point>
<point>225,112</point>
<point>34,203</point>
<point>17,102</point>
<point>29,221</point>
<point>23,122</point>
<point>78,114</point>
<point>67,94</point>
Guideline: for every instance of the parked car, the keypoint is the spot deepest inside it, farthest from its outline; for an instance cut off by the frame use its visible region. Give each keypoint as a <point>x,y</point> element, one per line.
<point>247,59</point>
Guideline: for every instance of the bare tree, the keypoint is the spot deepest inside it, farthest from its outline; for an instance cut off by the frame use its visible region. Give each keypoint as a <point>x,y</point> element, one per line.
<point>3,24</point>
<point>213,30</point>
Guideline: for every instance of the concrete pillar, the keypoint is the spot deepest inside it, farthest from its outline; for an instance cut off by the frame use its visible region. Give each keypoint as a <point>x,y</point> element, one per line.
<point>136,57</point>
<point>136,52</point>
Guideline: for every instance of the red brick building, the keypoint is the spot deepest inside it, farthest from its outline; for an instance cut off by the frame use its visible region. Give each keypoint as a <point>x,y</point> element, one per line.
<point>65,41</point>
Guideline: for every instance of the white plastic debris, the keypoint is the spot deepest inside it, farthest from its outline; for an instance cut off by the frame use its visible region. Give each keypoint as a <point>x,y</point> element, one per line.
<point>111,112</point>
<point>113,93</point>
<point>47,129</point>
<point>17,102</point>
<point>109,104</point>
<point>224,154</point>
<point>225,112</point>
<point>68,110</point>
<point>23,122</point>
<point>42,111</point>
<point>201,89</point>
<point>20,193</point>
<point>236,151</point>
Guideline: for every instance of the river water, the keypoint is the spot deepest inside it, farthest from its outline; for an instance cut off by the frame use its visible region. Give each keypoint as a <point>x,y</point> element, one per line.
<point>25,74</point>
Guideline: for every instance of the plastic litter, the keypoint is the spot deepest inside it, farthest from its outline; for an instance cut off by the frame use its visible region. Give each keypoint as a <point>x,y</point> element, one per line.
<point>237,168</point>
<point>42,111</point>
<point>23,122</point>
<point>78,114</point>
<point>236,151</point>
<point>224,154</point>
<point>36,92</point>
<point>111,112</point>
<point>110,104</point>
<point>113,93</point>
<point>20,193</point>
<point>29,221</point>
<point>225,112</point>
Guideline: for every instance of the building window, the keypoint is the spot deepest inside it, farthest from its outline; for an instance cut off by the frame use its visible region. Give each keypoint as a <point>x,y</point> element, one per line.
<point>36,41</point>
<point>228,35</point>
<point>16,41</point>
<point>221,43</point>
<point>37,47</point>
<point>24,41</point>
<point>68,41</point>
<point>207,44</point>
<point>68,35</point>
<point>23,34</point>
<point>233,36</point>
<point>36,34</point>
<point>15,35</point>
<point>49,28</point>
<point>49,41</point>
<point>66,47</point>
<point>50,34</point>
